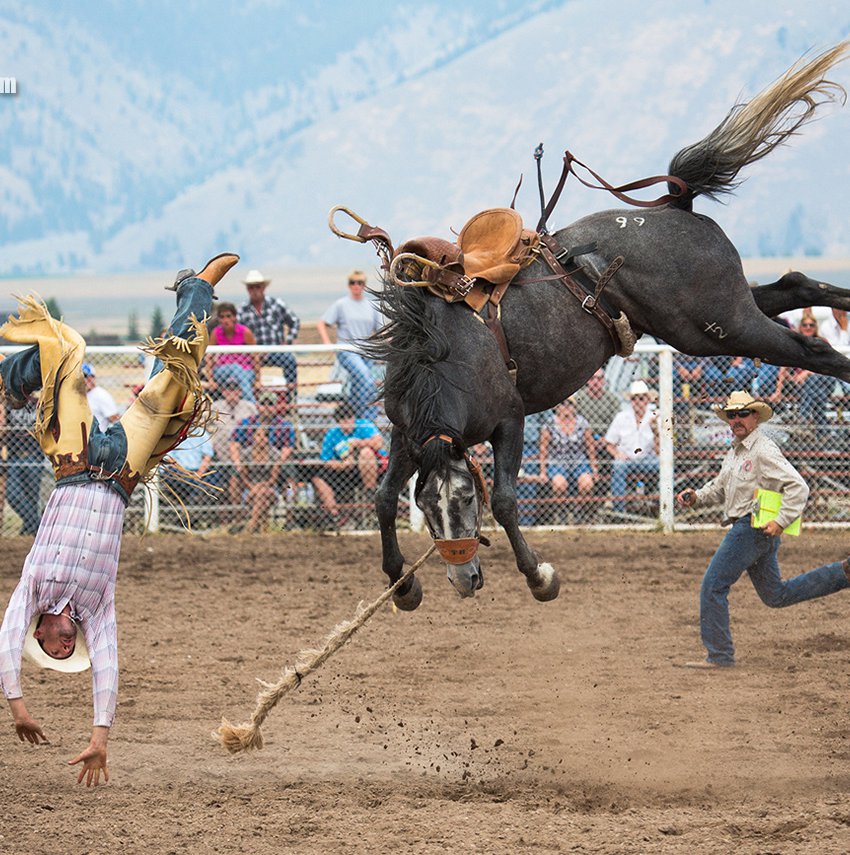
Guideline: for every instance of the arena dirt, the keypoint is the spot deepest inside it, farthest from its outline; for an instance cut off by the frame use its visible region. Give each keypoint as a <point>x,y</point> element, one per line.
<point>496,725</point>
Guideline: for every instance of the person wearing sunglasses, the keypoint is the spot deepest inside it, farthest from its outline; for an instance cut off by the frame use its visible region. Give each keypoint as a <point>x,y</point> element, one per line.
<point>355,317</point>
<point>754,461</point>
<point>810,390</point>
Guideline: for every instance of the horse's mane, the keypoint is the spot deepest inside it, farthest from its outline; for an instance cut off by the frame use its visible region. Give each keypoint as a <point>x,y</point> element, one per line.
<point>412,344</point>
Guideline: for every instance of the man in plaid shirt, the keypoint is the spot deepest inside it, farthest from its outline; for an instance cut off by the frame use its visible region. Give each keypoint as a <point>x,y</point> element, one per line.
<point>68,580</point>
<point>271,322</point>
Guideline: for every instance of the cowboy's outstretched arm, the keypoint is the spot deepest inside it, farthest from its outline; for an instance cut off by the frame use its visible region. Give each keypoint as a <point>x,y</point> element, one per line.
<point>27,728</point>
<point>93,758</point>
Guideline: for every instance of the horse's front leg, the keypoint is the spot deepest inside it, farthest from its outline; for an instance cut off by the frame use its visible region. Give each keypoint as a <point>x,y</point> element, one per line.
<point>507,456</point>
<point>398,473</point>
<point>796,291</point>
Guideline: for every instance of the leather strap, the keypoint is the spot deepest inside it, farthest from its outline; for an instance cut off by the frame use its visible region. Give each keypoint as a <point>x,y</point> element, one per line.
<point>549,249</point>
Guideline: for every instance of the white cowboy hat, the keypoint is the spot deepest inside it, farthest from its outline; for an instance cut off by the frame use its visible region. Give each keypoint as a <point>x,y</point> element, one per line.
<point>254,277</point>
<point>741,400</point>
<point>638,387</point>
<point>77,661</point>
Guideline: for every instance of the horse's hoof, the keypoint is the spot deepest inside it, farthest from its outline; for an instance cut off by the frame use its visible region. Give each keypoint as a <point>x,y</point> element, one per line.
<point>548,584</point>
<point>409,601</point>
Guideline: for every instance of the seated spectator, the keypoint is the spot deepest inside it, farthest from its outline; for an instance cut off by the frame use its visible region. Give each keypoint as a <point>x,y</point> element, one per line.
<point>688,382</point>
<point>632,441</point>
<point>725,373</point>
<point>811,390</point>
<point>530,478</point>
<point>598,405</point>
<point>231,410</point>
<point>354,456</point>
<point>568,455</point>
<point>24,464</point>
<point>242,367</point>
<point>193,456</point>
<point>101,403</point>
<point>259,447</point>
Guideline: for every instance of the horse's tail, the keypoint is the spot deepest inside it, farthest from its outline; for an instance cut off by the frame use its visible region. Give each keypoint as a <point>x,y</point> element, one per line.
<point>753,129</point>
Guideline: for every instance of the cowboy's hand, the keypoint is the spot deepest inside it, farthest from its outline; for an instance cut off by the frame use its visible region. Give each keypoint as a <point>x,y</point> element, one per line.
<point>772,529</point>
<point>688,498</point>
<point>94,761</point>
<point>28,729</point>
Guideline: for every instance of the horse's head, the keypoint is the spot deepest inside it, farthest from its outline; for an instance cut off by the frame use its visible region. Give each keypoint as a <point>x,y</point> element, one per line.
<point>451,493</point>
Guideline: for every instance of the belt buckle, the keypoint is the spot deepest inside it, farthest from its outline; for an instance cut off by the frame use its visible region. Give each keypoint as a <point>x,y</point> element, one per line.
<point>464,285</point>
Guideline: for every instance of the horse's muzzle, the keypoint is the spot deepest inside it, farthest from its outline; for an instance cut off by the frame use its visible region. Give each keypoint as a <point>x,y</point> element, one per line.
<point>459,551</point>
<point>466,578</point>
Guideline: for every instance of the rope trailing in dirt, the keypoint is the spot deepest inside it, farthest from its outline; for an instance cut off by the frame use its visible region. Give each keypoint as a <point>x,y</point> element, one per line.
<point>241,737</point>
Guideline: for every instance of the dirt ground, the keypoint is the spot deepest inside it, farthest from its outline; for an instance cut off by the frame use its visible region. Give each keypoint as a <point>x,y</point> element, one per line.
<point>496,725</point>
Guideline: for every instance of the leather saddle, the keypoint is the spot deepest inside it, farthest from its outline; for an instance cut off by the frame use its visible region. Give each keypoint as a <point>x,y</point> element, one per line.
<point>490,250</point>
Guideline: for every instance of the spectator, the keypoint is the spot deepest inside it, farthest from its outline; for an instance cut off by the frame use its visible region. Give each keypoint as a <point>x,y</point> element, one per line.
<point>193,456</point>
<point>836,330</point>
<point>354,456</point>
<point>688,383</point>
<point>24,464</point>
<point>568,455</point>
<point>597,404</point>
<point>530,478</point>
<point>242,367</point>
<point>355,318</point>
<point>811,390</point>
<point>231,410</point>
<point>101,403</point>
<point>632,441</point>
<point>259,447</point>
<point>271,322</point>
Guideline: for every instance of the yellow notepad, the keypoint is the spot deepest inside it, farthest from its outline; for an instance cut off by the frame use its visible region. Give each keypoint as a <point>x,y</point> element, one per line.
<point>766,505</point>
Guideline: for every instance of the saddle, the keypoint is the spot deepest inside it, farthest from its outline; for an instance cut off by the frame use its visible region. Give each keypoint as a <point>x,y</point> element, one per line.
<point>490,250</point>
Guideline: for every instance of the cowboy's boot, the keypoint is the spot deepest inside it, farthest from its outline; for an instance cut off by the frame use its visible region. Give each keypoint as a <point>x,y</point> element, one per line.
<point>212,272</point>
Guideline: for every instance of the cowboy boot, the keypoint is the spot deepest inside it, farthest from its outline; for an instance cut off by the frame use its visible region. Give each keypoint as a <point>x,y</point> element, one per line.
<point>212,272</point>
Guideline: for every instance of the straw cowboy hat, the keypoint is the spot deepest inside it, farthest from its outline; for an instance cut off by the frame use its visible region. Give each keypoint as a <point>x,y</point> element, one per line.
<point>741,400</point>
<point>77,661</point>
<point>254,277</point>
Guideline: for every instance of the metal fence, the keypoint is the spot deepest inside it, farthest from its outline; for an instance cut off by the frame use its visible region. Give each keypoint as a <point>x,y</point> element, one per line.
<point>266,463</point>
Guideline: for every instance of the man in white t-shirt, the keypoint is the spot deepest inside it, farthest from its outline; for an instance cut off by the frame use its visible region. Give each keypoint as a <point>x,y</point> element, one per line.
<point>632,440</point>
<point>101,403</point>
<point>355,317</point>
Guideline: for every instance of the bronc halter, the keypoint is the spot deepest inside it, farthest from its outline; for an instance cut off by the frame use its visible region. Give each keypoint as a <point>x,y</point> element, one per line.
<point>463,549</point>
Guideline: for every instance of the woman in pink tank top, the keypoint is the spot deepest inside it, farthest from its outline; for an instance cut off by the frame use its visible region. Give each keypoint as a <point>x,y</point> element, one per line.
<point>238,366</point>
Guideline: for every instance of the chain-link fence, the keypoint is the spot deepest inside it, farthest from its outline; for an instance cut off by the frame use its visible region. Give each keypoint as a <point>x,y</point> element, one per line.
<point>285,456</point>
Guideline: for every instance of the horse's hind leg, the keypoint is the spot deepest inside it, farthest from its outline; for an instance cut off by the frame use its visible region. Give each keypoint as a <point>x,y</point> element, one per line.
<point>399,471</point>
<point>796,291</point>
<point>507,455</point>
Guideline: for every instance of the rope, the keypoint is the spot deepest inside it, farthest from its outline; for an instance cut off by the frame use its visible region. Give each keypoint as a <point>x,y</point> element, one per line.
<point>241,737</point>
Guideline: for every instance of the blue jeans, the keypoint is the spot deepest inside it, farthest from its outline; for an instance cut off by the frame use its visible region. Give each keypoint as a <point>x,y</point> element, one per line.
<point>242,375</point>
<point>750,550</point>
<point>23,481</point>
<point>363,390</point>
<point>620,474</point>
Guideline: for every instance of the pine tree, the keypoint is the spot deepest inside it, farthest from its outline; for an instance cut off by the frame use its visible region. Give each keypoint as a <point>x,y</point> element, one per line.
<point>53,308</point>
<point>157,323</point>
<point>133,333</point>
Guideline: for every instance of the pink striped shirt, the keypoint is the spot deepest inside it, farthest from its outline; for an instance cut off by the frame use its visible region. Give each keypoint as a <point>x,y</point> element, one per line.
<point>74,560</point>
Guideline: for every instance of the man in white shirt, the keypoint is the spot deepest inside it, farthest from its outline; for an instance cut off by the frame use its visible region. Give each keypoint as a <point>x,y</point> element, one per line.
<point>632,440</point>
<point>101,403</point>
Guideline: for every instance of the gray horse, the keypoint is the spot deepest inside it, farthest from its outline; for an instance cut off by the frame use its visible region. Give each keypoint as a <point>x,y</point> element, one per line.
<point>447,387</point>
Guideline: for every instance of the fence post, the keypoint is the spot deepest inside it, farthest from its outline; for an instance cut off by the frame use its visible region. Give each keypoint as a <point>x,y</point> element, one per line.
<point>417,518</point>
<point>152,503</point>
<point>665,438</point>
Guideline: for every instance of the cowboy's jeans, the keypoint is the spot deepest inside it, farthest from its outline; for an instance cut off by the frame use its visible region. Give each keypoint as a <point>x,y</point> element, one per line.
<point>620,472</point>
<point>748,549</point>
<point>364,390</point>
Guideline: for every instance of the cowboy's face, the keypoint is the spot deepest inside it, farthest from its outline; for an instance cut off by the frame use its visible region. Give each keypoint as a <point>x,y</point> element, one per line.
<point>639,404</point>
<point>256,291</point>
<point>58,635</point>
<point>742,422</point>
